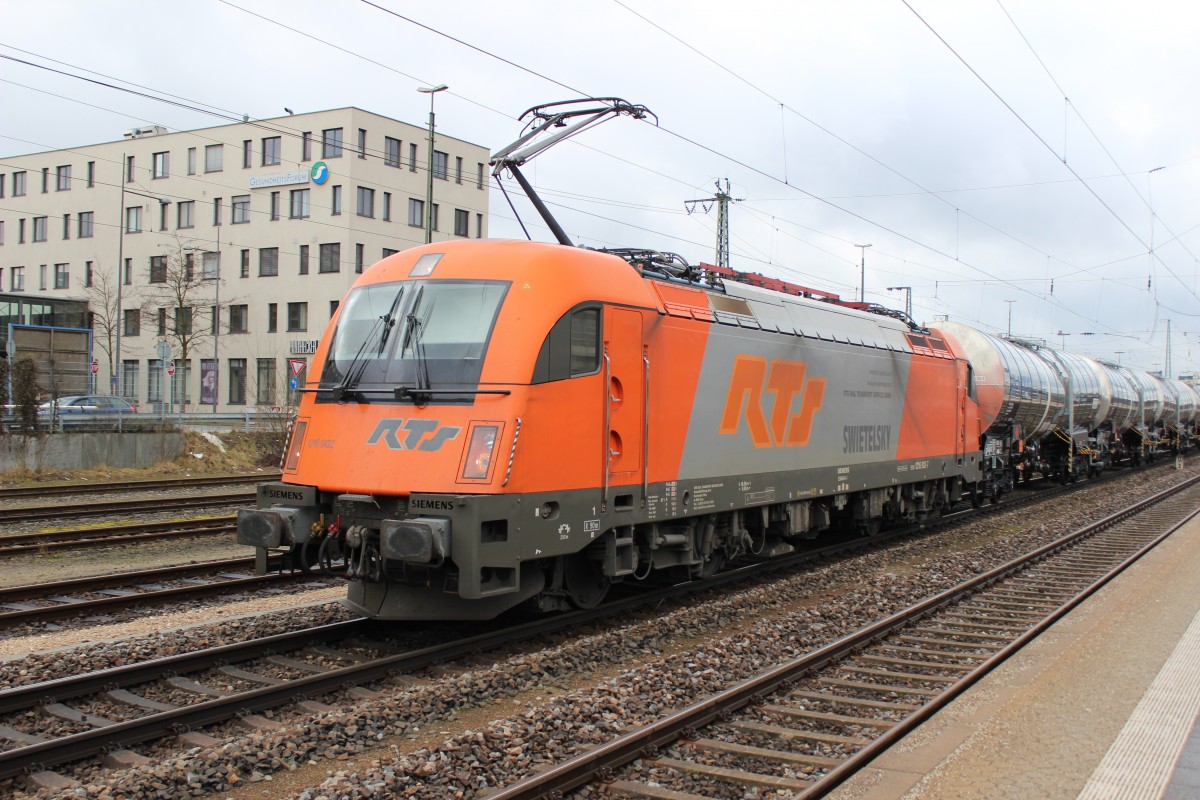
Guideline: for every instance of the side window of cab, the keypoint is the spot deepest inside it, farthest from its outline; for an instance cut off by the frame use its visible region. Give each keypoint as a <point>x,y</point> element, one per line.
<point>572,348</point>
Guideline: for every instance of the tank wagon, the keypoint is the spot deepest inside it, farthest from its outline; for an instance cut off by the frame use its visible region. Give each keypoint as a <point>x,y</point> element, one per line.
<point>494,423</point>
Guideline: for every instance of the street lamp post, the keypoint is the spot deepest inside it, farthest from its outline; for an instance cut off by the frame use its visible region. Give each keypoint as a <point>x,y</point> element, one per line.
<point>431,91</point>
<point>862,286</point>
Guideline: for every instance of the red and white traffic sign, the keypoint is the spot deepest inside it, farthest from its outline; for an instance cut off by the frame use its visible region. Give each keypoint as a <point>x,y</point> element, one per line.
<point>95,367</point>
<point>297,365</point>
<point>170,367</point>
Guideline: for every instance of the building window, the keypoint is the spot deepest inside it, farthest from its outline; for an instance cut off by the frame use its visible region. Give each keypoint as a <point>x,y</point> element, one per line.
<point>298,205</point>
<point>129,169</point>
<point>336,204</point>
<point>358,258</point>
<point>91,174</point>
<point>391,152</point>
<point>366,202</point>
<point>387,251</point>
<point>362,143</point>
<point>306,146</point>
<point>303,259</point>
<point>64,179</point>
<point>183,321</point>
<point>479,176</point>
<point>387,206</point>
<point>129,381</point>
<point>132,322</point>
<point>162,322</point>
<point>87,274</point>
<point>416,213</point>
<point>210,266</point>
<point>45,179</point>
<point>214,157</point>
<point>247,153</point>
<point>441,163</point>
<point>274,205</point>
<point>331,143</point>
<point>434,213</point>
<point>266,382</point>
<point>457,169</point>
<point>272,317</point>
<point>237,381</point>
<point>297,316</point>
<point>333,307</point>
<point>39,228</point>
<point>412,156</point>
<point>86,224</point>
<point>271,147</point>
<point>42,277</point>
<point>154,382</point>
<point>245,264</point>
<point>1,239</point>
<point>240,205</point>
<point>128,276</point>
<point>18,184</point>
<point>191,161</point>
<point>331,257</point>
<point>16,279</point>
<point>239,317</point>
<point>133,219</point>
<point>158,269</point>
<point>479,226</point>
<point>462,221</point>
<point>186,214</point>
<point>268,261</point>
<point>66,226</point>
<point>62,276</point>
<point>216,211</point>
<point>162,216</point>
<point>2,179</point>
<point>161,165</point>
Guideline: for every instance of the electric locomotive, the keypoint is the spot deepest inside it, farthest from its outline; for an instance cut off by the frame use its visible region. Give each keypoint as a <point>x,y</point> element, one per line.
<point>496,423</point>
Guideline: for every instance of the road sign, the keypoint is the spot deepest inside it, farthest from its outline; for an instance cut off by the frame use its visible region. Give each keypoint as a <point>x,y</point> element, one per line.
<point>293,383</point>
<point>297,365</point>
<point>164,350</point>
<point>170,367</point>
<point>95,367</point>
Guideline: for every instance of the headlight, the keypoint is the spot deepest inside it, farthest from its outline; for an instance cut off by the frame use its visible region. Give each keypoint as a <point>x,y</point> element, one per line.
<point>479,452</point>
<point>297,441</point>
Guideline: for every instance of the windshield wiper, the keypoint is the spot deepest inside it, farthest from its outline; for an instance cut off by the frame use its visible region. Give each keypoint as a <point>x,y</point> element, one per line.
<point>412,335</point>
<point>358,365</point>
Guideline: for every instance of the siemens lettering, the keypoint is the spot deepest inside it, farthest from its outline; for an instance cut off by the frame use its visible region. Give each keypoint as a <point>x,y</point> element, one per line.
<point>866,438</point>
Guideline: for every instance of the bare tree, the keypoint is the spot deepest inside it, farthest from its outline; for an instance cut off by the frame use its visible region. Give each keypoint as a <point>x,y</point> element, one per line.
<point>179,292</point>
<point>102,302</point>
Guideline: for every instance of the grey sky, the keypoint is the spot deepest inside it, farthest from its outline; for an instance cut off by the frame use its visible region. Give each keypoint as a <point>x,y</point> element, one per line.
<point>837,123</point>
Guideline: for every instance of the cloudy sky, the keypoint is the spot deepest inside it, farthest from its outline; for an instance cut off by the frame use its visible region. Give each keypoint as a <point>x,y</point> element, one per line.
<point>1038,157</point>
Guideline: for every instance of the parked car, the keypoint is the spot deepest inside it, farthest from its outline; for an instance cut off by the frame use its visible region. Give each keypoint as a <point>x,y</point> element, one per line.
<point>87,410</point>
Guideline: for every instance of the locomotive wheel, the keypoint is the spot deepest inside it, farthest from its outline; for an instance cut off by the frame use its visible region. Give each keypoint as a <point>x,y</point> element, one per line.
<point>584,581</point>
<point>976,498</point>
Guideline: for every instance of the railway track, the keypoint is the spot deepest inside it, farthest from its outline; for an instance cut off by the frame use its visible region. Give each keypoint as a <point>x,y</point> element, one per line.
<point>808,725</point>
<point>81,597</point>
<point>79,488</point>
<point>95,713</point>
<point>82,538</point>
<point>118,507</point>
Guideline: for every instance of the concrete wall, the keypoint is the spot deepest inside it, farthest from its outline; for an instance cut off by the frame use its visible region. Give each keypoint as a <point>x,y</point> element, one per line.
<point>85,450</point>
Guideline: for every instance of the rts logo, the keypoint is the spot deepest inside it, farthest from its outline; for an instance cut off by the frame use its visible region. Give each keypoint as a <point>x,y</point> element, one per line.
<point>415,433</point>
<point>753,375</point>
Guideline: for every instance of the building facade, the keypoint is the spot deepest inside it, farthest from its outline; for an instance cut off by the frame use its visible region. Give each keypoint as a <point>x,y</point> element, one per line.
<point>212,260</point>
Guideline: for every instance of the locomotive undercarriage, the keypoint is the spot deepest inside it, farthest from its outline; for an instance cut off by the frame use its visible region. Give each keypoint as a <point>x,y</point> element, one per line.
<point>453,558</point>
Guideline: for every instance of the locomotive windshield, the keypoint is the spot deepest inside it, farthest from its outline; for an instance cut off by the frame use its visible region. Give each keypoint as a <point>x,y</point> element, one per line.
<point>415,334</point>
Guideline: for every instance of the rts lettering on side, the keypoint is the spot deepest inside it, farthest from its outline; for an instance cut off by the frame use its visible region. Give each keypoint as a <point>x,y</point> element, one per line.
<point>751,377</point>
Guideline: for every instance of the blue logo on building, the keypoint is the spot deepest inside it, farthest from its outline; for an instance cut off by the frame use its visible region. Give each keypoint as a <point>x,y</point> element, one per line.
<point>320,173</point>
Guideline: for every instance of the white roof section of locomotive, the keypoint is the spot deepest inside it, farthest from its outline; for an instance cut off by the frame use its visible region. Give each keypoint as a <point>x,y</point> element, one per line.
<point>792,314</point>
